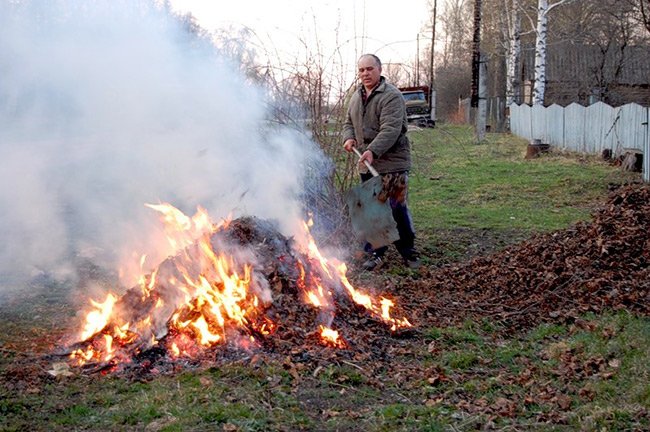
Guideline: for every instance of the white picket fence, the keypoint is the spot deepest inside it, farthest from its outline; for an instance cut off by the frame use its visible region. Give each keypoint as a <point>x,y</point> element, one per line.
<point>589,129</point>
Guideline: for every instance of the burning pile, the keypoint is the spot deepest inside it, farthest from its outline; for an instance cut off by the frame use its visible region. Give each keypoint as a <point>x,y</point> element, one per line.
<point>221,287</point>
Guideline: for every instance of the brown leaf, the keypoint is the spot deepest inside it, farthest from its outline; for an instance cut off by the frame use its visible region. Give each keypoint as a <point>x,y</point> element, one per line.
<point>563,401</point>
<point>587,393</point>
<point>205,381</point>
<point>606,375</point>
<point>433,402</point>
<point>160,424</point>
<point>505,407</point>
<point>342,378</point>
<point>294,373</point>
<point>330,413</point>
<point>481,402</point>
<point>436,379</point>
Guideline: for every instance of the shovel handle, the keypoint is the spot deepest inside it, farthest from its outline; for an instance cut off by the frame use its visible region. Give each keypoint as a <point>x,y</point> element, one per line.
<point>370,168</point>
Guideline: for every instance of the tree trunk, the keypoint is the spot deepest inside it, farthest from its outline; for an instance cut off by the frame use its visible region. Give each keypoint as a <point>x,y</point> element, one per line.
<point>476,52</point>
<point>514,52</point>
<point>543,8</point>
<point>479,130</point>
<point>540,52</point>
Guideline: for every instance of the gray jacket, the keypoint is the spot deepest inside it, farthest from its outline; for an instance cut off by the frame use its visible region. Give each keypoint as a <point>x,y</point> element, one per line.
<point>380,125</point>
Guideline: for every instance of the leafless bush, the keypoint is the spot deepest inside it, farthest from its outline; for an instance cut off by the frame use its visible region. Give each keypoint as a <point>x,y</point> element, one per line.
<point>308,93</point>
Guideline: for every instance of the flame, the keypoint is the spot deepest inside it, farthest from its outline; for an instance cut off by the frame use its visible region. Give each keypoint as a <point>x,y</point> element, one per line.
<point>206,338</point>
<point>210,297</point>
<point>331,337</point>
<point>98,319</point>
<point>336,271</point>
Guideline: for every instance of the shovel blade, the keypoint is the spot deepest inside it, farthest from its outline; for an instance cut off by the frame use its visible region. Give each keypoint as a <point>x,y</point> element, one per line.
<point>372,220</point>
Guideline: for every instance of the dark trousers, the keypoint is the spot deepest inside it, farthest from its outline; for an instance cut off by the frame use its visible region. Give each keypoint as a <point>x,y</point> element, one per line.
<point>395,186</point>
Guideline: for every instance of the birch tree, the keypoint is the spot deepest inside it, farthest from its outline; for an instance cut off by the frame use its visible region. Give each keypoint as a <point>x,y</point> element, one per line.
<point>543,9</point>
<point>514,52</point>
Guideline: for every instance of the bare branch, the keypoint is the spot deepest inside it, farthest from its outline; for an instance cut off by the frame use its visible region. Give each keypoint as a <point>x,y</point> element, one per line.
<point>559,3</point>
<point>644,8</point>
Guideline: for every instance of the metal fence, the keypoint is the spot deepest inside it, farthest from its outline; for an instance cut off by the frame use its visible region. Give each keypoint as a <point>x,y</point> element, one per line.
<point>589,129</point>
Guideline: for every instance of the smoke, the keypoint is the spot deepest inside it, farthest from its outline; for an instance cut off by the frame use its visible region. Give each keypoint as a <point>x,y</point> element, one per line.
<point>107,105</point>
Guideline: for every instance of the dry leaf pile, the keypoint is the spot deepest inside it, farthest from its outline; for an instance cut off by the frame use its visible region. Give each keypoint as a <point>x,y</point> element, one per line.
<point>592,266</point>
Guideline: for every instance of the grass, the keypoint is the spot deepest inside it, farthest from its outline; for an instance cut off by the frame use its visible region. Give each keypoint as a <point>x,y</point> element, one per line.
<point>456,183</point>
<point>596,373</point>
<point>466,199</point>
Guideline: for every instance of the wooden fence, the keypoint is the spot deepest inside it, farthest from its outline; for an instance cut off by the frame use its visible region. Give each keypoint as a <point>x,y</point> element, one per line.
<point>589,129</point>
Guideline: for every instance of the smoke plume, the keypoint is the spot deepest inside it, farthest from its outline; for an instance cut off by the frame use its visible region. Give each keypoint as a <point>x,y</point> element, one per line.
<point>107,105</point>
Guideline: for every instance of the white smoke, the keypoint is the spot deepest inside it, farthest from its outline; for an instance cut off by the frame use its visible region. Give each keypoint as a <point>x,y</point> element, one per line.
<point>107,105</point>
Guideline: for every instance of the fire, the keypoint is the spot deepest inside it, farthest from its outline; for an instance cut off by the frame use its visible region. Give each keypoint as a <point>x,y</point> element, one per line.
<point>97,319</point>
<point>206,337</point>
<point>204,296</point>
<point>331,337</point>
<point>337,271</point>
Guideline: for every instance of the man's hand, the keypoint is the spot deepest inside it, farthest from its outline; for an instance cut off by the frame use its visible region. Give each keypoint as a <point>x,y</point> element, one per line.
<point>366,156</point>
<point>348,144</point>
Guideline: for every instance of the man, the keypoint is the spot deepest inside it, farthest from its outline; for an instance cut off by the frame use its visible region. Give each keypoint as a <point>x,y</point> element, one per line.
<point>376,124</point>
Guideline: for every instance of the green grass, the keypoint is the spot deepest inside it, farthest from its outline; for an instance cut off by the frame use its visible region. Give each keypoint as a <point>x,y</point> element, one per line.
<point>456,183</point>
<point>194,399</point>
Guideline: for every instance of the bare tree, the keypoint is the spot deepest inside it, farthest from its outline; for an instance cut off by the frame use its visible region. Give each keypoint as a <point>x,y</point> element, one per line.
<point>398,74</point>
<point>642,12</point>
<point>591,47</point>
<point>644,8</point>
<point>453,70</point>
<point>456,31</point>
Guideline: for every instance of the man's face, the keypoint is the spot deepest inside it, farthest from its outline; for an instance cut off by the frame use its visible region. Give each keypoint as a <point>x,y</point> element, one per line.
<point>369,72</point>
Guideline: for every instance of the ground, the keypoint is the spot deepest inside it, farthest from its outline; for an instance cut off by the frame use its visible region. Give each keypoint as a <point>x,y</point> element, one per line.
<point>505,335</point>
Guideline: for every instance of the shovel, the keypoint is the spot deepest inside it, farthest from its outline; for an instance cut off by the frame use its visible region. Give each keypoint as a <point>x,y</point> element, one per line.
<point>372,220</point>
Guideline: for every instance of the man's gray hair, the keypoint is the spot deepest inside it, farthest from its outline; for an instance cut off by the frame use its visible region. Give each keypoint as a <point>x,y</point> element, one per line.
<point>374,57</point>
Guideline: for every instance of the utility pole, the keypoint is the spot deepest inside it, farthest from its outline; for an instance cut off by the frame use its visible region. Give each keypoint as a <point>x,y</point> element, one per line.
<point>432,95</point>
<point>417,62</point>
